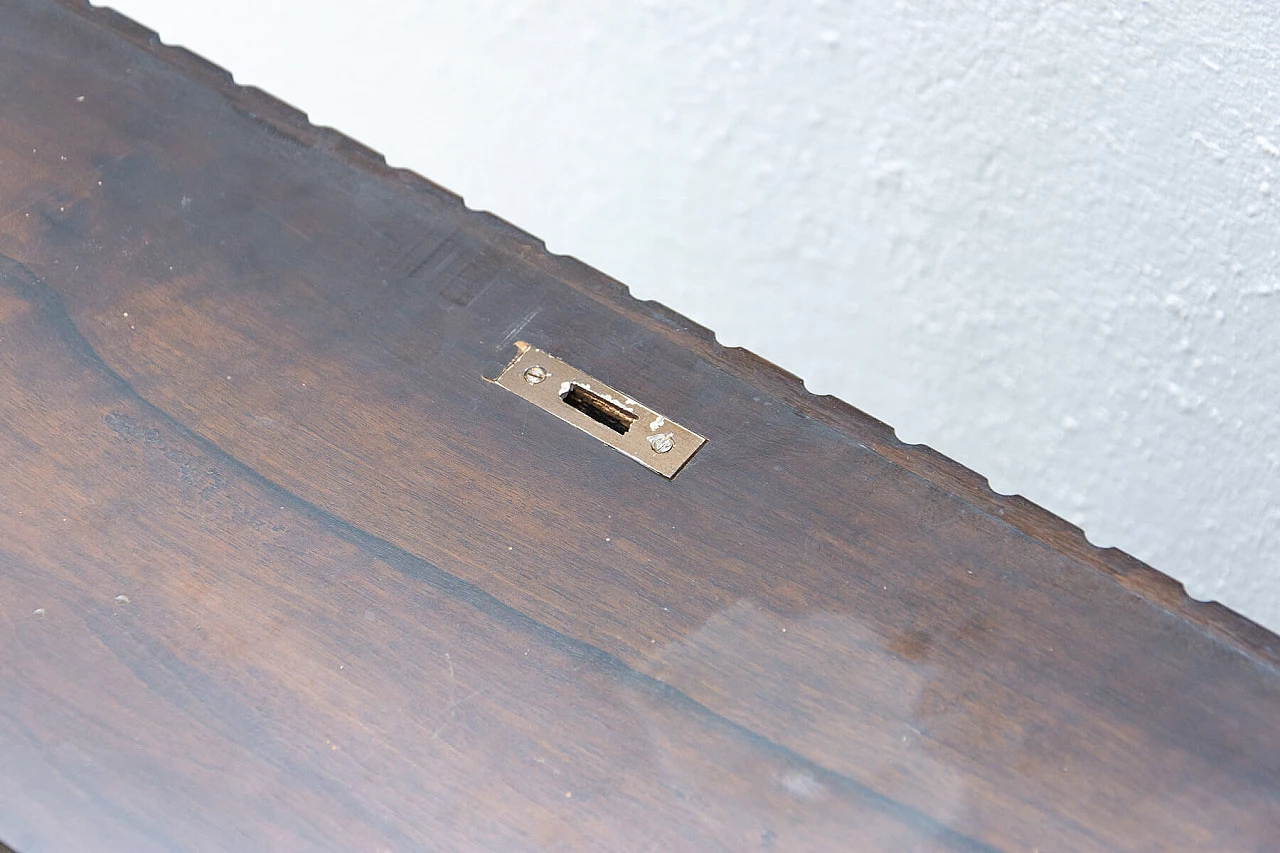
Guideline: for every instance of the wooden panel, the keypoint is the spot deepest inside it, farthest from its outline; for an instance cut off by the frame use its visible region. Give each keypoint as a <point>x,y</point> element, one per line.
<point>280,570</point>
<point>196,659</point>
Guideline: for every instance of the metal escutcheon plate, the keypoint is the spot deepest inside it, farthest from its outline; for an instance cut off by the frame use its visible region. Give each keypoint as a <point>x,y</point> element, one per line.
<point>576,398</point>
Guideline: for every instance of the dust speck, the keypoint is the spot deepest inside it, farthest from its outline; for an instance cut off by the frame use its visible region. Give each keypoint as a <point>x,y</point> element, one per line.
<point>122,599</point>
<point>803,786</point>
<point>39,612</point>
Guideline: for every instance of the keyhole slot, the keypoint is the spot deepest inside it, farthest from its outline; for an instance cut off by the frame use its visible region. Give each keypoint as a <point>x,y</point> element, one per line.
<point>599,409</point>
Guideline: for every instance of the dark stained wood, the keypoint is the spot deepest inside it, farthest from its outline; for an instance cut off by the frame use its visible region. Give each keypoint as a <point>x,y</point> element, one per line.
<point>279,570</point>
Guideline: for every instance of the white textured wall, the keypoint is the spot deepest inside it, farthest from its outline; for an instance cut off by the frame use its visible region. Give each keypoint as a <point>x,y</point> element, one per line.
<point>1040,237</point>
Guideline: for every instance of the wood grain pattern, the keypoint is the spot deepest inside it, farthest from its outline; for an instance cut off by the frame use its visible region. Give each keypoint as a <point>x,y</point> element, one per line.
<point>279,570</point>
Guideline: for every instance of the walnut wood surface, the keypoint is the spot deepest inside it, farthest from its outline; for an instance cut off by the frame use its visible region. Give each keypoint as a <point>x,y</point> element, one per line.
<point>279,570</point>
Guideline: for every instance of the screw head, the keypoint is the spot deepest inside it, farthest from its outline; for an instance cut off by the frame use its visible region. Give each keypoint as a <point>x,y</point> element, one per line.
<point>662,443</point>
<point>535,374</point>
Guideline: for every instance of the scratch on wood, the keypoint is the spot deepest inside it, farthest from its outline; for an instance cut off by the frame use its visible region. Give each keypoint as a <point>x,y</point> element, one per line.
<point>512,335</point>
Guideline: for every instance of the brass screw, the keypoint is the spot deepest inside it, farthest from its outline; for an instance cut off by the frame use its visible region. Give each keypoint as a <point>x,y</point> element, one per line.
<point>535,374</point>
<point>662,443</point>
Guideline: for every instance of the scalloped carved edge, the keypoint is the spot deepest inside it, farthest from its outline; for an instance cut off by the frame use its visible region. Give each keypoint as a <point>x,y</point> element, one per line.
<point>1052,531</point>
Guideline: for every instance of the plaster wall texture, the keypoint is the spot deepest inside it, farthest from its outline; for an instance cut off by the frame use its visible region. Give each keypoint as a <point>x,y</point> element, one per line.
<point>1040,237</point>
